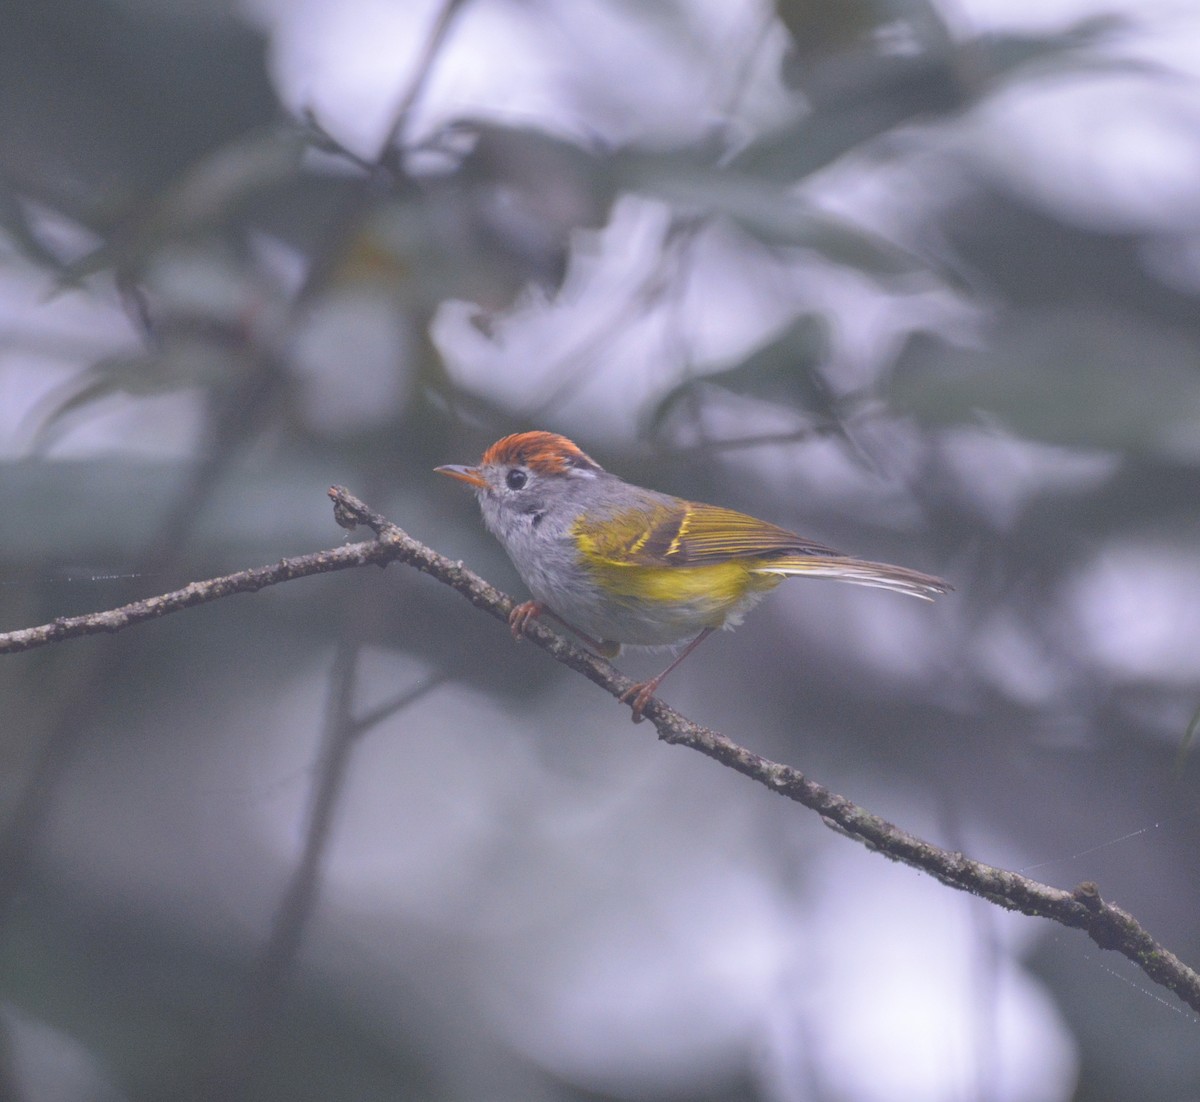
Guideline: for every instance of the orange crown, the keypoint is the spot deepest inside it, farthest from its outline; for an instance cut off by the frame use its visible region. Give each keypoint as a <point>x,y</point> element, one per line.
<point>544,452</point>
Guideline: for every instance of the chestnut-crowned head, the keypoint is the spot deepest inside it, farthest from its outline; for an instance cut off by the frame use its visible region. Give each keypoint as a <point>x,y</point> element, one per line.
<point>516,466</point>
<point>529,475</point>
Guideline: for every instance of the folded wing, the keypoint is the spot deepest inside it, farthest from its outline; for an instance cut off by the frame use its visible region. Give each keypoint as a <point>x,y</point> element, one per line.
<point>701,535</point>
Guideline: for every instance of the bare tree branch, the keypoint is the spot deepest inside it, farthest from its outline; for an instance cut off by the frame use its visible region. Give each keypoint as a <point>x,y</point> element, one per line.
<point>1107,925</point>
<point>197,593</point>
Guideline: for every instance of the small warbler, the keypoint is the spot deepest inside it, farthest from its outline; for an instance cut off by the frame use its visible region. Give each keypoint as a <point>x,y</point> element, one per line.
<point>619,564</point>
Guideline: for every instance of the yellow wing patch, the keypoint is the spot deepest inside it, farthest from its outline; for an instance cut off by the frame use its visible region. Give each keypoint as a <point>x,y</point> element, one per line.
<point>711,558</point>
<point>697,535</point>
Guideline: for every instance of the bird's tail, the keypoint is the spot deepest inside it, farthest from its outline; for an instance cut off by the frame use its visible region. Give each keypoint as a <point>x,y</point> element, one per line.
<point>899,579</point>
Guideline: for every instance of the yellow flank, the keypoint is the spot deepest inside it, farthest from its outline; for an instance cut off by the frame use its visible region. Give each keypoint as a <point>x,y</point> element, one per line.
<point>721,585</point>
<point>713,588</point>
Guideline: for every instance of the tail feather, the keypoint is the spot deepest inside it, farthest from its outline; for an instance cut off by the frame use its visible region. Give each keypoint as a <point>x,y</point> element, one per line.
<point>899,579</point>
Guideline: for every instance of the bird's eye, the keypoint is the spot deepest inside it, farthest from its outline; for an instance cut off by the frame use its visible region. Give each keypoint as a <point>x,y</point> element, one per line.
<point>516,478</point>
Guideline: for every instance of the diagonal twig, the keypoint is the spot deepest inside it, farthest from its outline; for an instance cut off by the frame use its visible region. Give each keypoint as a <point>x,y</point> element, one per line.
<point>1083,908</point>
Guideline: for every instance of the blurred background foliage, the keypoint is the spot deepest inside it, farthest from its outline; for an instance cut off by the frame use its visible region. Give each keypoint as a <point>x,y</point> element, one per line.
<point>916,278</point>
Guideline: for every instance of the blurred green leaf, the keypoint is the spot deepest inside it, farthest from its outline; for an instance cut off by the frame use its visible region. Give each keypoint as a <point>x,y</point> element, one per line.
<point>20,232</point>
<point>816,27</point>
<point>785,370</point>
<point>1076,378</point>
<point>768,212</point>
<point>887,93</point>
<point>211,195</point>
<point>1189,737</point>
<point>858,95</point>
<point>1073,47</point>
<point>193,360</point>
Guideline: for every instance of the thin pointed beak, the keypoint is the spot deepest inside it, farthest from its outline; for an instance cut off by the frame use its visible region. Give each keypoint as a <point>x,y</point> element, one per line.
<point>470,475</point>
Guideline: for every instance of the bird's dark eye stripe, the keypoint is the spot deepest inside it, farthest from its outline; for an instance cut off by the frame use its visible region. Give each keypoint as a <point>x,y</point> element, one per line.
<point>516,478</point>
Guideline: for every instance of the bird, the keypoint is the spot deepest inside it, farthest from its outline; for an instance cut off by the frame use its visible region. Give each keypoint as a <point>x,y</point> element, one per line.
<point>622,565</point>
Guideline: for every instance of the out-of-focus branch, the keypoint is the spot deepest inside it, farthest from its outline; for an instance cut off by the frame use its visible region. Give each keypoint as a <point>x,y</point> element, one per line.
<point>1107,925</point>
<point>231,1076</point>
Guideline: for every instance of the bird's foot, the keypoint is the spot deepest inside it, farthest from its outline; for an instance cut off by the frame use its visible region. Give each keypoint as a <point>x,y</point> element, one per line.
<point>522,614</point>
<point>639,696</point>
<point>518,619</point>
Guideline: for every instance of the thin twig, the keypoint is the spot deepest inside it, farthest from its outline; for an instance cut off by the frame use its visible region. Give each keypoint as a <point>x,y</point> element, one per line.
<point>420,78</point>
<point>1107,925</point>
<point>197,593</point>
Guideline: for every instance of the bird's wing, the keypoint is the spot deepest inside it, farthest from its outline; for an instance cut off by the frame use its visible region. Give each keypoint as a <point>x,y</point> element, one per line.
<point>695,535</point>
<point>707,535</point>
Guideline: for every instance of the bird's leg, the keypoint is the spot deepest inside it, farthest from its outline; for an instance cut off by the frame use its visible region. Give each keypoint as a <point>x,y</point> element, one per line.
<point>644,690</point>
<point>521,614</point>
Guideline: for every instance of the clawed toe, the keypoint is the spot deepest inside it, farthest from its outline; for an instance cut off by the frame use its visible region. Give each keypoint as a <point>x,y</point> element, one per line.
<point>518,619</point>
<point>638,697</point>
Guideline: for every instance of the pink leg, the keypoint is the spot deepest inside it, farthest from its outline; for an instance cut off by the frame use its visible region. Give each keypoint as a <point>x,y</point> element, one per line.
<point>643,691</point>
